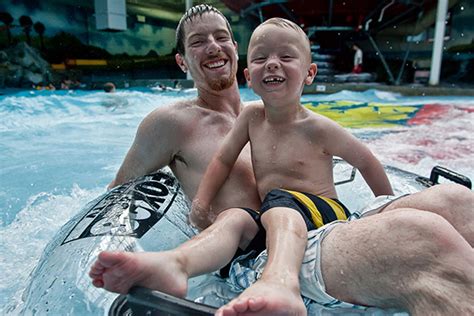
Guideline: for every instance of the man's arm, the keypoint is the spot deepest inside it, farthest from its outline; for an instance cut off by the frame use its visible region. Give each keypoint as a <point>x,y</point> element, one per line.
<point>218,170</point>
<point>343,144</point>
<point>152,148</point>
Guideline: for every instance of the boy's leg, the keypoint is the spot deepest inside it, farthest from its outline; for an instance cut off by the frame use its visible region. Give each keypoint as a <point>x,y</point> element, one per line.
<point>454,202</point>
<point>277,292</point>
<point>405,258</point>
<point>169,271</point>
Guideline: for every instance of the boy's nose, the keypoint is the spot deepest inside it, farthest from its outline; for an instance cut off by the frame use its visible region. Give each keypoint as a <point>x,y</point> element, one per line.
<point>272,64</point>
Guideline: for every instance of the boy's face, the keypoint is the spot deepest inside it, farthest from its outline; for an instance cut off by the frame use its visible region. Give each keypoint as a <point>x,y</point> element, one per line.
<point>211,55</point>
<point>278,63</point>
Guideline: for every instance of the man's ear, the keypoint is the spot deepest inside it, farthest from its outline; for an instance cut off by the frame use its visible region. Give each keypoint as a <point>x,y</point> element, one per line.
<point>312,71</point>
<point>247,77</point>
<point>181,62</point>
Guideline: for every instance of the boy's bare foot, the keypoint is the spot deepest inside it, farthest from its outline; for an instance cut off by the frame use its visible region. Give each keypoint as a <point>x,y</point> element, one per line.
<point>265,298</point>
<point>120,271</point>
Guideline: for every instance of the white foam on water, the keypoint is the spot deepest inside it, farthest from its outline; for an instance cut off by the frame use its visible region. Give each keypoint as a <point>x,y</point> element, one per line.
<point>23,240</point>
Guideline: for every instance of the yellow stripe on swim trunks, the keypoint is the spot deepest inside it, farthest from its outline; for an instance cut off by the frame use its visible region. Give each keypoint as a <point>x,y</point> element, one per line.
<point>338,210</point>
<point>315,214</point>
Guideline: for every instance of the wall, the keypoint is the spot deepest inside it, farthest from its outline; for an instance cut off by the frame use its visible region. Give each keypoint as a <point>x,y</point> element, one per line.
<point>138,39</point>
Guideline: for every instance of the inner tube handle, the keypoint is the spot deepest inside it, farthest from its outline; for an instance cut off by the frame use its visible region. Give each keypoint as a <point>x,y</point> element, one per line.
<point>450,175</point>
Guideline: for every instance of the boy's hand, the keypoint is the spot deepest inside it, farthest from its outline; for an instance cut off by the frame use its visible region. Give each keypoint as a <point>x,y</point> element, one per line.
<point>199,215</point>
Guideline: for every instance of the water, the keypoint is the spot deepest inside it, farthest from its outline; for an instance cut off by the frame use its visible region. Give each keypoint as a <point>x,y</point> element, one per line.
<point>60,149</point>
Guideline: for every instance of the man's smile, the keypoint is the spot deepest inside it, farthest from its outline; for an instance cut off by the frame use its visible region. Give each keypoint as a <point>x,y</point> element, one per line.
<point>213,64</point>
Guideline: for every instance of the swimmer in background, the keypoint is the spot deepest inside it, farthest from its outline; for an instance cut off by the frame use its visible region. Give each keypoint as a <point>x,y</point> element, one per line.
<point>358,59</point>
<point>109,87</point>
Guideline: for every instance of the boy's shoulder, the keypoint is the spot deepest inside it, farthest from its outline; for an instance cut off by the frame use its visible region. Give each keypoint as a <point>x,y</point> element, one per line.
<point>253,107</point>
<point>320,122</point>
<point>257,104</point>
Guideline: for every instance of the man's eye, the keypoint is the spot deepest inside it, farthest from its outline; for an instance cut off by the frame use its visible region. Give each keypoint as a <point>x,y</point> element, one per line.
<point>258,59</point>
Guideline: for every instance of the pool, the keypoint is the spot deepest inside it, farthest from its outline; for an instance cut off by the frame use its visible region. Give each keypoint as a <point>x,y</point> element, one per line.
<point>60,149</point>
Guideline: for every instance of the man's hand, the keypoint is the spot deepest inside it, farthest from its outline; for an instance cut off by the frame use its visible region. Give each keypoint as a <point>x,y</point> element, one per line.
<point>199,216</point>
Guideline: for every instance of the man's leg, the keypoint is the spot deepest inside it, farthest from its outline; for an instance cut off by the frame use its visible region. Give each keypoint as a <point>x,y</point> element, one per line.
<point>454,202</point>
<point>406,258</point>
<point>277,292</point>
<point>169,271</point>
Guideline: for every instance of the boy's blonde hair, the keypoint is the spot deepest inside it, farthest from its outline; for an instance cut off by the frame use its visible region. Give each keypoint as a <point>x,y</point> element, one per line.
<point>284,23</point>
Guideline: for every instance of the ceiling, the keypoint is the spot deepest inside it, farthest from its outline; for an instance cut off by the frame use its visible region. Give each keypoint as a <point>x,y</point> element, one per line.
<point>313,15</point>
<point>335,14</point>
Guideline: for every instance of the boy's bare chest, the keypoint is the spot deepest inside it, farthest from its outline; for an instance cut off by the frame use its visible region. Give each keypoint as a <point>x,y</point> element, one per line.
<point>283,146</point>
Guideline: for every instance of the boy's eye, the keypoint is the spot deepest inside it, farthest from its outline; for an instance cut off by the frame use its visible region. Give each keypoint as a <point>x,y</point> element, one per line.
<point>258,59</point>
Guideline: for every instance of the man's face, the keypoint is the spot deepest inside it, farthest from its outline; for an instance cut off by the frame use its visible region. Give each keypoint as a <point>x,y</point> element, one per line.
<point>211,55</point>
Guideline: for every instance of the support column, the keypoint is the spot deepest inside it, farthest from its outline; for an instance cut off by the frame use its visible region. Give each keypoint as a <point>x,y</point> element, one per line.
<point>437,56</point>
<point>189,4</point>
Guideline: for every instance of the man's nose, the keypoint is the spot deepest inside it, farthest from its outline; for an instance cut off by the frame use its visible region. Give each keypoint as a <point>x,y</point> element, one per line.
<point>213,46</point>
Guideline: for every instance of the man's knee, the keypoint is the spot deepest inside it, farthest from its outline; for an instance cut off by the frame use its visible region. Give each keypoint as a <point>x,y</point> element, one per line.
<point>426,231</point>
<point>441,199</point>
<point>453,193</point>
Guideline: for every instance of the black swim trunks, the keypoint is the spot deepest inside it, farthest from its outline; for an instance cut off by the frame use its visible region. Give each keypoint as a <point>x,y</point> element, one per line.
<point>316,210</point>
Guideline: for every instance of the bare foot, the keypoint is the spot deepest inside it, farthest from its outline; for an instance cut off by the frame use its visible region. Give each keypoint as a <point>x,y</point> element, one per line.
<point>265,298</point>
<point>119,271</point>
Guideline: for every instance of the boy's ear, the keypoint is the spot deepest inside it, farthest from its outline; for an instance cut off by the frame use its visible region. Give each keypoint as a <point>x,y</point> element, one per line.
<point>312,71</point>
<point>247,77</point>
<point>181,62</point>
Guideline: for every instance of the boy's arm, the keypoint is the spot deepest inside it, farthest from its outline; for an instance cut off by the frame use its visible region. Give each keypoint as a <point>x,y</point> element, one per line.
<point>217,171</point>
<point>340,142</point>
<point>148,154</point>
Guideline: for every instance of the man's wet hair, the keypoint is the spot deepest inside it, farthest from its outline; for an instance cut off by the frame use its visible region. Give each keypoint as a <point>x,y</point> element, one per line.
<point>193,12</point>
<point>284,23</point>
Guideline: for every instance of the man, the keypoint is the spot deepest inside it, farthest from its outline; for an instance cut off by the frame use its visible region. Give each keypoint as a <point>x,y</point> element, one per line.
<point>416,254</point>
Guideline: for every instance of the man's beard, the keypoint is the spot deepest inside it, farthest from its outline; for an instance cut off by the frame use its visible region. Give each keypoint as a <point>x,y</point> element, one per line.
<point>222,83</point>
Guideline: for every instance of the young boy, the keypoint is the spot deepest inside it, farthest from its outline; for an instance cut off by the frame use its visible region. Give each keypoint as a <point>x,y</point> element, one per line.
<point>292,150</point>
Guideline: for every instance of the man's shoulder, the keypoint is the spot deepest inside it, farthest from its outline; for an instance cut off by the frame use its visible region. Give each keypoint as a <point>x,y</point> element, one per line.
<point>177,110</point>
